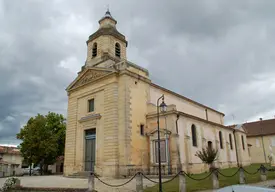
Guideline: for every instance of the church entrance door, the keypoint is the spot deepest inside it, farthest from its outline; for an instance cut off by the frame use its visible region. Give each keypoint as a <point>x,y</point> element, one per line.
<point>90,149</point>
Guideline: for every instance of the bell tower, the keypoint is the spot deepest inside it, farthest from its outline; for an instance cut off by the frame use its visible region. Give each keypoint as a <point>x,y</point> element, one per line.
<point>106,42</point>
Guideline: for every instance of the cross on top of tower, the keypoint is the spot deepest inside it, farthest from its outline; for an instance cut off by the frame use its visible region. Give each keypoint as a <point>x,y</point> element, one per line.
<point>107,15</point>
<point>108,11</point>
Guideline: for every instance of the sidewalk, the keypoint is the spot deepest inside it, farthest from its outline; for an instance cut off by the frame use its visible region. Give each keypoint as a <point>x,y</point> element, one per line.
<point>55,181</point>
<point>267,184</point>
<point>59,181</point>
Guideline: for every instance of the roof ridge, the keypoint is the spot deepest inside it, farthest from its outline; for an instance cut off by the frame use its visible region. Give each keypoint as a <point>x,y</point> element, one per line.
<point>259,121</point>
<point>185,98</point>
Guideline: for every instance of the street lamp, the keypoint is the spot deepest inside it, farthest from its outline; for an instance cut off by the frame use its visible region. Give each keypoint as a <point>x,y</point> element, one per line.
<point>163,108</point>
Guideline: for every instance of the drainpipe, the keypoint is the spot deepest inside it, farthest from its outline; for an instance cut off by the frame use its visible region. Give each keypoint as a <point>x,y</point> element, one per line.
<point>263,148</point>
<point>236,148</point>
<point>178,148</point>
<point>263,140</point>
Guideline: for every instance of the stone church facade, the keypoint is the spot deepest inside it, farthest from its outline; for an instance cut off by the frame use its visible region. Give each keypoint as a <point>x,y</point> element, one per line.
<point>112,119</point>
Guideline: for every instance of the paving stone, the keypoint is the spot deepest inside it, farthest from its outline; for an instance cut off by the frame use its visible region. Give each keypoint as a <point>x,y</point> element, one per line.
<point>64,182</point>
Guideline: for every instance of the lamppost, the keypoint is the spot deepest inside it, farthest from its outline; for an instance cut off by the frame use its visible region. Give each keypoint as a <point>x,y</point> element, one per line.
<point>163,108</point>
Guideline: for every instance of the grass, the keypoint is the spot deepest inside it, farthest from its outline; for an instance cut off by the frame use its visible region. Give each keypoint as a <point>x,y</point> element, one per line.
<point>193,185</point>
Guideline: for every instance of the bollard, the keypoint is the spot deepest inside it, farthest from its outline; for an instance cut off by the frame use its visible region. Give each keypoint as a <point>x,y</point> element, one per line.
<point>91,183</point>
<point>242,176</point>
<point>17,183</point>
<point>182,182</point>
<point>139,182</point>
<point>215,179</point>
<point>263,173</point>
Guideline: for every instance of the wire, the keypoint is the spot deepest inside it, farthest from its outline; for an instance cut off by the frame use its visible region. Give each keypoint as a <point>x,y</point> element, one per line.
<point>200,178</point>
<point>120,185</point>
<point>229,175</point>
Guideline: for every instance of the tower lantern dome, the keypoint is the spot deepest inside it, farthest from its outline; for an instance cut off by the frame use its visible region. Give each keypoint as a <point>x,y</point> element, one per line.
<point>107,40</point>
<point>107,20</point>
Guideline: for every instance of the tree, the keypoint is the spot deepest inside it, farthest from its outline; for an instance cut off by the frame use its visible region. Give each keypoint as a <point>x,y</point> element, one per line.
<point>29,135</point>
<point>43,139</point>
<point>208,155</point>
<point>56,123</point>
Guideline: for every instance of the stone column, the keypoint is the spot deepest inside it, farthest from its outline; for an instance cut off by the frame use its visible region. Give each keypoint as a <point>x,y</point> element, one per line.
<point>215,179</point>
<point>139,182</point>
<point>17,183</point>
<point>182,182</point>
<point>91,183</point>
<point>228,153</point>
<point>188,146</point>
<point>9,170</point>
<point>242,176</point>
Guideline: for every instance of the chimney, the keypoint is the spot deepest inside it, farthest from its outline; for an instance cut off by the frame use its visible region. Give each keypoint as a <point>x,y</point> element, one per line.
<point>261,119</point>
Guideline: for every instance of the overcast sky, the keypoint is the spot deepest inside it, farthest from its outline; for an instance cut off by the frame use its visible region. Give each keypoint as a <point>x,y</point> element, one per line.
<point>218,52</point>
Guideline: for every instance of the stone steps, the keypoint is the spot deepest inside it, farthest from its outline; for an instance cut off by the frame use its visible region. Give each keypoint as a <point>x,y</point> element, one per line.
<point>82,174</point>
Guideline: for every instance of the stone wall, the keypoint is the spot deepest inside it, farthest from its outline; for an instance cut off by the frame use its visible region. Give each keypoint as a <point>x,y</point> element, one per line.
<point>186,105</point>
<point>106,101</point>
<point>261,147</point>
<point>124,101</point>
<point>105,44</point>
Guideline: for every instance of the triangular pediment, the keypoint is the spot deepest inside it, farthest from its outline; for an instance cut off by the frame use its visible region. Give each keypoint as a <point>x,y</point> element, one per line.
<point>240,127</point>
<point>89,75</point>
<point>162,131</point>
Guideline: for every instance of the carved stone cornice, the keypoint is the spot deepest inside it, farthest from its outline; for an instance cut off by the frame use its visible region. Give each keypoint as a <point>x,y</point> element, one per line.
<point>164,131</point>
<point>90,117</point>
<point>112,31</point>
<point>91,75</point>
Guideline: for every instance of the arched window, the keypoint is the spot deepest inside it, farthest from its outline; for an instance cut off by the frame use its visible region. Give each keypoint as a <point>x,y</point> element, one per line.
<point>209,144</point>
<point>94,51</point>
<point>243,143</point>
<point>194,135</point>
<point>220,136</point>
<point>230,141</point>
<point>117,49</point>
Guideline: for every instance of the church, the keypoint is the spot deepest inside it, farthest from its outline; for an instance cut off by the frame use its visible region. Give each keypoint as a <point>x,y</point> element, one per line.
<point>112,118</point>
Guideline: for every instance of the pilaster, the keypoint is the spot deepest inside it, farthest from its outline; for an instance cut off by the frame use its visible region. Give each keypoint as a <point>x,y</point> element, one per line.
<point>110,157</point>
<point>188,145</point>
<point>70,147</point>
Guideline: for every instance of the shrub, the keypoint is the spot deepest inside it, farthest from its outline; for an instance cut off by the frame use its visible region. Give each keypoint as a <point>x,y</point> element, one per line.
<point>9,183</point>
<point>208,155</point>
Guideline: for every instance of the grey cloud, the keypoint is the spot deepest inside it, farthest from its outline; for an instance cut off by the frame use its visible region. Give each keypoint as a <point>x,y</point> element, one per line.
<point>209,51</point>
<point>31,80</point>
<point>224,44</point>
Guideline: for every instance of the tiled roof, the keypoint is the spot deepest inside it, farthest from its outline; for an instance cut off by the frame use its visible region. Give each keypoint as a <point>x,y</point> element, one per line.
<point>260,128</point>
<point>231,126</point>
<point>4,162</point>
<point>107,31</point>
<point>60,158</point>
<point>9,150</point>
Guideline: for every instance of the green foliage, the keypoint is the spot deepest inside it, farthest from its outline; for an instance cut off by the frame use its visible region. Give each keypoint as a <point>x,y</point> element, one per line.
<point>206,184</point>
<point>9,183</point>
<point>208,155</point>
<point>43,139</point>
<point>56,122</point>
